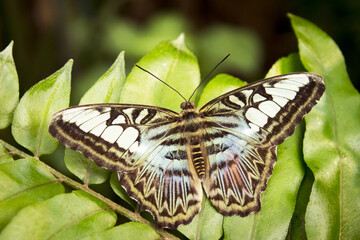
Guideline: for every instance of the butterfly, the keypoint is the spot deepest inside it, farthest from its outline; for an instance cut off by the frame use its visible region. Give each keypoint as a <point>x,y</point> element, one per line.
<point>164,159</point>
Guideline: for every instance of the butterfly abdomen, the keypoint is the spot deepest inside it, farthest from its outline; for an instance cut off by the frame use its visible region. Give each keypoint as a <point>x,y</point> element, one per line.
<point>197,157</point>
<point>193,133</point>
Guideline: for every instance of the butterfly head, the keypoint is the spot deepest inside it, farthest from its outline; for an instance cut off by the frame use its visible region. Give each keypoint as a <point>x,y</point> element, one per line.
<point>187,105</point>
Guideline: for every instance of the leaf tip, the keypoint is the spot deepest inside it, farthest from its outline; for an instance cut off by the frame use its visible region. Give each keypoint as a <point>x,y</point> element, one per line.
<point>294,18</point>
<point>290,15</point>
<point>122,53</point>
<point>120,57</point>
<point>180,41</point>
<point>69,63</point>
<point>9,48</point>
<point>68,66</point>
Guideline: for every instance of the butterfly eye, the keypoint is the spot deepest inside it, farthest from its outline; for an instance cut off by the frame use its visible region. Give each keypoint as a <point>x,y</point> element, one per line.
<point>187,105</point>
<point>182,105</point>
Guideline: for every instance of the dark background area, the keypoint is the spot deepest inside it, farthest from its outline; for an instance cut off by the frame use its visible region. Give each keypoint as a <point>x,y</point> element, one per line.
<point>47,33</point>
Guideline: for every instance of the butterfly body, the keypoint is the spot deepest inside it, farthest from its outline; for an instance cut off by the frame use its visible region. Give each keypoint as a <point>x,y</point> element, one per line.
<point>193,134</point>
<point>165,159</point>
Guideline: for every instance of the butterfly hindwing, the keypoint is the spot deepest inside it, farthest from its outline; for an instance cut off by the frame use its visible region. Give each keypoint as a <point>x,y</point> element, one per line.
<point>237,174</point>
<point>166,185</point>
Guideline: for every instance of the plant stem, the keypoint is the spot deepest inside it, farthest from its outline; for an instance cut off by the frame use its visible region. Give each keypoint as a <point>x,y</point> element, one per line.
<point>76,185</point>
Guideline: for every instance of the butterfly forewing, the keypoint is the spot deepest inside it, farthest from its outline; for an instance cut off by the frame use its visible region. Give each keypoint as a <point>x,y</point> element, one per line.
<point>164,158</point>
<point>111,134</point>
<point>266,112</point>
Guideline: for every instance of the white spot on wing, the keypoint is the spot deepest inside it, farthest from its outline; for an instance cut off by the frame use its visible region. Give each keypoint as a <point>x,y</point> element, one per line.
<point>119,120</point>
<point>128,137</point>
<point>247,93</point>
<point>128,111</point>
<point>90,124</point>
<point>257,98</point>
<point>281,92</point>
<point>281,101</point>
<point>300,77</point>
<point>287,85</point>
<point>269,108</point>
<point>257,117</point>
<point>236,100</point>
<point>298,84</point>
<point>84,116</point>
<point>97,131</point>
<point>95,120</point>
<point>142,114</point>
<point>70,113</point>
<point>112,133</point>
<point>254,127</point>
<point>134,147</point>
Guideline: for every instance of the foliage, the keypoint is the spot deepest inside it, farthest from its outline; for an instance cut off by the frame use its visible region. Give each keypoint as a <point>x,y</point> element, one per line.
<point>34,204</point>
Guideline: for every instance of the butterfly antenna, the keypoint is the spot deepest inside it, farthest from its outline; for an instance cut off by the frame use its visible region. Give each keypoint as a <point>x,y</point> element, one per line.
<point>161,81</point>
<point>208,75</point>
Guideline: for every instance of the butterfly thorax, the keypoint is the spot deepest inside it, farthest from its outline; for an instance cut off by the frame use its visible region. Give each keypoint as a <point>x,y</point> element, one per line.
<point>193,132</point>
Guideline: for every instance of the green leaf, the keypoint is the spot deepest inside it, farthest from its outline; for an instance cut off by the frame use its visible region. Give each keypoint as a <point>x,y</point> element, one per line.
<point>279,198</point>
<point>284,65</point>
<point>131,230</point>
<point>24,182</point>
<point>120,191</point>
<point>297,226</point>
<point>66,216</point>
<point>5,156</point>
<point>9,86</point>
<point>33,113</point>
<point>106,90</point>
<point>85,169</point>
<point>331,144</point>
<point>206,225</point>
<point>173,63</point>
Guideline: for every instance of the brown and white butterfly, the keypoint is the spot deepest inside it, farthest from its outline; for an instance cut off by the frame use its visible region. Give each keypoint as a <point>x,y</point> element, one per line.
<point>165,159</point>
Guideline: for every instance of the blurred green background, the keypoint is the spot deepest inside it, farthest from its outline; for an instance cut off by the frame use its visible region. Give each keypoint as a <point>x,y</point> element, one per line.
<point>49,32</point>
